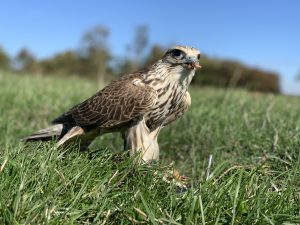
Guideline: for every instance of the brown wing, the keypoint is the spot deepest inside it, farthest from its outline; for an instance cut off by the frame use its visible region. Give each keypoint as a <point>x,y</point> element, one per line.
<point>118,103</point>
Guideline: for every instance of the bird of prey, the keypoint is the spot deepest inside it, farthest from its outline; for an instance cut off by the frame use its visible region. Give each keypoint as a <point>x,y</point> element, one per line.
<point>137,105</point>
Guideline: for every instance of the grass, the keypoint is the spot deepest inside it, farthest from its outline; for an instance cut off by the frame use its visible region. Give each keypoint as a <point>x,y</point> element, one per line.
<point>240,150</point>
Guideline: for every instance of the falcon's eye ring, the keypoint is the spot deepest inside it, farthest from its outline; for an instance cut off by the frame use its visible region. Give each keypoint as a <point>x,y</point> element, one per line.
<point>198,56</point>
<point>177,53</point>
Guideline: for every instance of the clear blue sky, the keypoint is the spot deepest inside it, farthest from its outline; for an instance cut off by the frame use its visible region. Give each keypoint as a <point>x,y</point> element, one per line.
<point>262,33</point>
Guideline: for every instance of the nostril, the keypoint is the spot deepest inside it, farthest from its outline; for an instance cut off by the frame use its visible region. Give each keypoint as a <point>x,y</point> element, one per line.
<point>191,58</point>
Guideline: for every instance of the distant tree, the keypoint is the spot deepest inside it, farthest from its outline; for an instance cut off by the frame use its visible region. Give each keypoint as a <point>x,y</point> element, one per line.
<point>26,62</point>
<point>298,76</point>
<point>65,63</point>
<point>4,60</point>
<point>135,51</point>
<point>95,53</point>
<point>155,54</point>
<point>232,74</point>
<point>126,66</point>
<point>140,41</point>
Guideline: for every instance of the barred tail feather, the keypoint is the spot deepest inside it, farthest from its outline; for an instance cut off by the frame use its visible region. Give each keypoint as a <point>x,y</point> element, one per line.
<point>46,134</point>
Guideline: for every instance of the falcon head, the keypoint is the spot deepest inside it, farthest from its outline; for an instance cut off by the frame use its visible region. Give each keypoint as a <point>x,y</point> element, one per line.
<point>183,56</point>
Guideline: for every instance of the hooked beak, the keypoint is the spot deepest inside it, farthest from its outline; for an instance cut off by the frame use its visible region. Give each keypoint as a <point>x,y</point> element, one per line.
<point>192,63</point>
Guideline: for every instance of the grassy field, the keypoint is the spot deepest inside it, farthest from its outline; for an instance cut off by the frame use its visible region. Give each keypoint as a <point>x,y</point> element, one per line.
<point>251,140</point>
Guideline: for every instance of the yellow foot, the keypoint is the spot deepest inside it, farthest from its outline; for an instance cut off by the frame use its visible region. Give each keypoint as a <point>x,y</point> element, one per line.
<point>174,177</point>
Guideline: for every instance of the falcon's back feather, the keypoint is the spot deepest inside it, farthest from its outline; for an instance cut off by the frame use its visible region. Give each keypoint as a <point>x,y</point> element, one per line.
<point>120,102</point>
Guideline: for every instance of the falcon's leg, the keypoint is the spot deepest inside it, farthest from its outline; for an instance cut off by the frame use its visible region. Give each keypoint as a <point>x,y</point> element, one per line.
<point>138,139</point>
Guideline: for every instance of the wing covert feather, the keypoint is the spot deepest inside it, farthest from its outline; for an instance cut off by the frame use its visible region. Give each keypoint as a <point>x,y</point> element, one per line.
<point>119,102</point>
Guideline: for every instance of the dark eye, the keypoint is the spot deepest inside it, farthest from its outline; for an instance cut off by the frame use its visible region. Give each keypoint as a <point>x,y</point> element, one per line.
<point>198,56</point>
<point>177,53</point>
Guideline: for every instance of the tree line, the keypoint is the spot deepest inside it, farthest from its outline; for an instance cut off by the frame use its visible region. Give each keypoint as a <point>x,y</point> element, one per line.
<point>94,60</point>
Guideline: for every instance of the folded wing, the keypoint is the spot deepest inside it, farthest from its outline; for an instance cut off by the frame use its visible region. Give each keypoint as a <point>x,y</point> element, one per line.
<point>121,101</point>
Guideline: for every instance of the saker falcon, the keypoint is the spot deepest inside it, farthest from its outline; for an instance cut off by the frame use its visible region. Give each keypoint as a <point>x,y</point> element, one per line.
<point>138,105</point>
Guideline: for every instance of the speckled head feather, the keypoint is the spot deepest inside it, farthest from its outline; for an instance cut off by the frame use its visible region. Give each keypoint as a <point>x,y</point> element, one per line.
<point>187,49</point>
<point>185,56</point>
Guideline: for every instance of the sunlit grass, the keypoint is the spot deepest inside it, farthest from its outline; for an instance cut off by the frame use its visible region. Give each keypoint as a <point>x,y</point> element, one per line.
<point>252,141</point>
